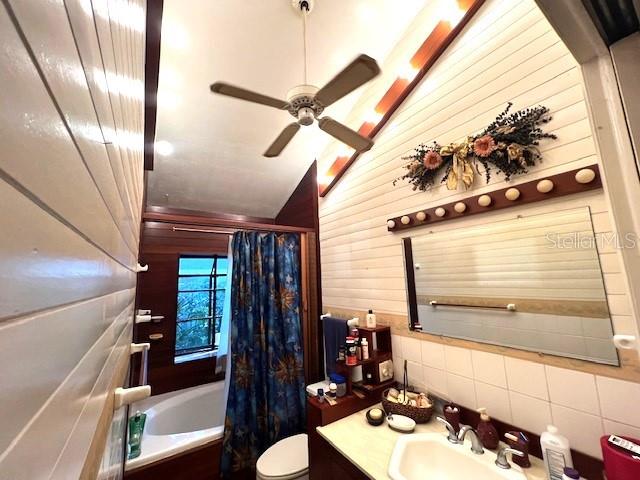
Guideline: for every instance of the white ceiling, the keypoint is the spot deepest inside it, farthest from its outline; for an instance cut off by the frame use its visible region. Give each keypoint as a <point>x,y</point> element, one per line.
<point>217,163</point>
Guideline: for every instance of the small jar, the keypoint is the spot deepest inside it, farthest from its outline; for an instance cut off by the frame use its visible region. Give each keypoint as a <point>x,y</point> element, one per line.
<point>333,390</point>
<point>341,355</point>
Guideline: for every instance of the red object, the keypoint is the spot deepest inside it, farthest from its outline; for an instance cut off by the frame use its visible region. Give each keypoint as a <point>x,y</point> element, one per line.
<point>618,463</point>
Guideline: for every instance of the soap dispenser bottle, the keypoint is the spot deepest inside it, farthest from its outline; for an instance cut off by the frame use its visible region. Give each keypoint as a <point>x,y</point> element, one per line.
<point>486,431</point>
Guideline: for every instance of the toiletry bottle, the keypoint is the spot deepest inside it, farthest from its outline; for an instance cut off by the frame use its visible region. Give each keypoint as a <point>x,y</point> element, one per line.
<point>365,349</point>
<point>486,431</point>
<point>371,319</point>
<point>555,452</point>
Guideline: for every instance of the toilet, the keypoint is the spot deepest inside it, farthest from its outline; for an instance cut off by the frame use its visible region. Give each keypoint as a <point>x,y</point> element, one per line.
<point>288,459</point>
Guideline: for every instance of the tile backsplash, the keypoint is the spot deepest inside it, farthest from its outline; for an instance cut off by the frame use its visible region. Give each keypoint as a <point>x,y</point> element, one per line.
<point>527,394</point>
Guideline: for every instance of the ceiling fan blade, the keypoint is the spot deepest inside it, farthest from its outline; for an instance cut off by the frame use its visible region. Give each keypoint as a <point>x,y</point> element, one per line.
<point>243,94</point>
<point>345,134</point>
<point>357,73</point>
<point>282,141</point>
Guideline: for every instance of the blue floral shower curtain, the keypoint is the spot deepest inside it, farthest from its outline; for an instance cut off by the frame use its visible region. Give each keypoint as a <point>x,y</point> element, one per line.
<point>266,392</point>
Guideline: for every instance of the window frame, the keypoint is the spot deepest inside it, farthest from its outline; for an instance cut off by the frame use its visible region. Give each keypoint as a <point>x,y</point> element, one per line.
<point>211,318</point>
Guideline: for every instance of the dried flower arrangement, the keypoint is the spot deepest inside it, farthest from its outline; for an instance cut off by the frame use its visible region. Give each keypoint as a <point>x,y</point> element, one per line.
<point>509,144</point>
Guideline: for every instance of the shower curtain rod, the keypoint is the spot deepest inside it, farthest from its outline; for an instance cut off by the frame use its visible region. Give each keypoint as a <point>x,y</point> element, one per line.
<point>229,231</point>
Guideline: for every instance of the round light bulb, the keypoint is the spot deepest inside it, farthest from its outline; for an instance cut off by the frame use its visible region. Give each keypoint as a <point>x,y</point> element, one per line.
<point>544,186</point>
<point>484,200</point>
<point>460,207</point>
<point>512,194</point>
<point>586,175</point>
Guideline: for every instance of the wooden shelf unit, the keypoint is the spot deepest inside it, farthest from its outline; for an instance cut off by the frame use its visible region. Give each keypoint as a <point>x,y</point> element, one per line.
<point>381,353</point>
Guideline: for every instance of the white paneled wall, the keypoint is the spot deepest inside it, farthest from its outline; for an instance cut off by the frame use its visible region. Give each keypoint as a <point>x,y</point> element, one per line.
<point>507,53</point>
<point>71,184</point>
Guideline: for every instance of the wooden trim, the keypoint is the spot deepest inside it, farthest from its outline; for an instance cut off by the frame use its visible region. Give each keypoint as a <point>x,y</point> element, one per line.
<point>151,74</point>
<point>629,368</point>
<point>203,214</point>
<point>304,289</point>
<point>412,299</point>
<point>564,184</point>
<point>201,462</point>
<point>221,222</point>
<point>98,443</point>
<point>423,59</point>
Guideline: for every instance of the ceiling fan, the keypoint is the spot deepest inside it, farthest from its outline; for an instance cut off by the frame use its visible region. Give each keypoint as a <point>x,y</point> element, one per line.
<point>306,102</point>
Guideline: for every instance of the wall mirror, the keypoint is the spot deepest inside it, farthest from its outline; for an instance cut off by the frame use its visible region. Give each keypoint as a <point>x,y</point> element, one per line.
<point>532,283</point>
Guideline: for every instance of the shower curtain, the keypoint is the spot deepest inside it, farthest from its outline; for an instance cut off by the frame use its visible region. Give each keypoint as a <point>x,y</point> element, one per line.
<point>266,400</point>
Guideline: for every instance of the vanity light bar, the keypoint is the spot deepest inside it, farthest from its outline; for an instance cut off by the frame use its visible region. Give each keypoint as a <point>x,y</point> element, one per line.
<point>566,183</point>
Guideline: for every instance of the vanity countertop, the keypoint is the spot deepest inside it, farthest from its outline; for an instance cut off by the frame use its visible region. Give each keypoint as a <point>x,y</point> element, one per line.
<point>369,448</point>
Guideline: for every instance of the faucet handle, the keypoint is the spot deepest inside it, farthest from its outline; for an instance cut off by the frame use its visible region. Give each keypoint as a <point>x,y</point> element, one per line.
<point>452,437</point>
<point>501,459</point>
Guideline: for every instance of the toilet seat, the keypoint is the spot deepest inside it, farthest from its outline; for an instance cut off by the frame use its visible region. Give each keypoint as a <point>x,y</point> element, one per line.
<point>287,459</point>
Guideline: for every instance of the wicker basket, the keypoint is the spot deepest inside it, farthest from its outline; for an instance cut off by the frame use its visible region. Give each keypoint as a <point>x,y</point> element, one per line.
<point>418,414</point>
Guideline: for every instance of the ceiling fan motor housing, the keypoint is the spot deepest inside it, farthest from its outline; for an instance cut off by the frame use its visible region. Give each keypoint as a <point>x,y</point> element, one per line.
<point>303,104</point>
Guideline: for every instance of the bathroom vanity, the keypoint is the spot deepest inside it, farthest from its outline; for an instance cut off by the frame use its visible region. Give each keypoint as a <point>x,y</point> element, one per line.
<point>350,448</point>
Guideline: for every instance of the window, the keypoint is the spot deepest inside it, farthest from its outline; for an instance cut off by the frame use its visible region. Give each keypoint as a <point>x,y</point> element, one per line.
<point>202,285</point>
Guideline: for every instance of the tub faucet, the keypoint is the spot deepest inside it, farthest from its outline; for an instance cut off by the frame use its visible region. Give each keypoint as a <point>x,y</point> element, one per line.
<point>501,459</point>
<point>476,444</point>
<point>452,431</point>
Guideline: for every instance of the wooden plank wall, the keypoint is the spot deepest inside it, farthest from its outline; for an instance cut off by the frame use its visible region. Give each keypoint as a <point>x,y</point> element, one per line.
<point>508,53</point>
<point>71,186</point>
<point>161,248</point>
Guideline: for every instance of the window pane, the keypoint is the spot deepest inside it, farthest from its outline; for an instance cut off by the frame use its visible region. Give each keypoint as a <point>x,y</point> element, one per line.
<point>193,283</point>
<point>195,266</point>
<point>193,305</point>
<point>221,282</point>
<point>219,302</point>
<point>193,334</point>
<point>222,265</point>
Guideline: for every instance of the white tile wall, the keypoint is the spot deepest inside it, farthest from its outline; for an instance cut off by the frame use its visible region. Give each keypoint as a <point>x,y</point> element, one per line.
<point>489,368</point>
<point>619,400</point>
<point>530,413</point>
<point>526,377</point>
<point>582,429</point>
<point>573,389</point>
<point>461,390</point>
<point>495,400</point>
<point>411,349</point>
<point>458,361</point>
<point>433,355</point>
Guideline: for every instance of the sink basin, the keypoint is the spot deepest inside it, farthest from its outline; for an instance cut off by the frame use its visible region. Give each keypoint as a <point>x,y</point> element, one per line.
<point>430,455</point>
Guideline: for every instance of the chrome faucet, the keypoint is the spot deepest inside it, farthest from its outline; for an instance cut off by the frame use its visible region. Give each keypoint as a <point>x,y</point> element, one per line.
<point>501,459</point>
<point>476,444</point>
<point>452,431</point>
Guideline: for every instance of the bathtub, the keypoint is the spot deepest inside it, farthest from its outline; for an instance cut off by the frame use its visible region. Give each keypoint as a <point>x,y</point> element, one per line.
<point>179,421</point>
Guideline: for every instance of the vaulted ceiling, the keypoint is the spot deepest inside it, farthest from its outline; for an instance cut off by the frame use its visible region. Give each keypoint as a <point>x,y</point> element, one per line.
<point>212,156</point>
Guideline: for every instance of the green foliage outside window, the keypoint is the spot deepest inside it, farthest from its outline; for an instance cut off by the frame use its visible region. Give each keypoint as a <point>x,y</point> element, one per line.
<point>201,292</point>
